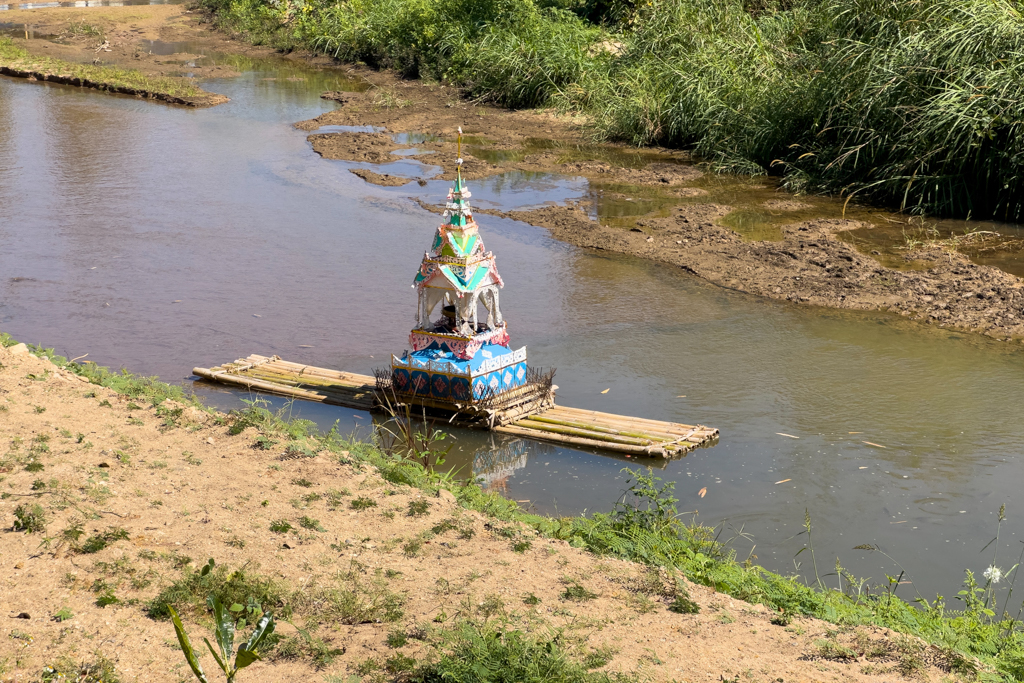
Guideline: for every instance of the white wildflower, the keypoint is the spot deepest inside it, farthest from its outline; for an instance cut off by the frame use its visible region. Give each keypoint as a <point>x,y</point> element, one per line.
<point>993,574</point>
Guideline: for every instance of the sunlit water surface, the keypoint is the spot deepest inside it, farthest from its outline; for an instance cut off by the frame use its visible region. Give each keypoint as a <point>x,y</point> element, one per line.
<point>160,238</point>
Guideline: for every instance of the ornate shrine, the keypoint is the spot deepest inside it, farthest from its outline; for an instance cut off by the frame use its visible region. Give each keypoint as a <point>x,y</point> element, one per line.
<point>462,357</point>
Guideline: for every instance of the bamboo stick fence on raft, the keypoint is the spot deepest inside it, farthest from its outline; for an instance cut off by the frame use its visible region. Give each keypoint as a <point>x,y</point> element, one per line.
<point>556,424</point>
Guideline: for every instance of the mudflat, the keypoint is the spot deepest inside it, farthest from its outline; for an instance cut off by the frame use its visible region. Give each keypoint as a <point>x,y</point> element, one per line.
<point>810,263</point>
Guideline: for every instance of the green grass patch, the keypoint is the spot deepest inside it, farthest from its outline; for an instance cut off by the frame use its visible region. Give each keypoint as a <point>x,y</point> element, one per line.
<point>110,77</point>
<point>473,653</point>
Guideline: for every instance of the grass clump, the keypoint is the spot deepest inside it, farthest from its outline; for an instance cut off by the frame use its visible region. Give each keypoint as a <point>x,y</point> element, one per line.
<point>189,593</point>
<point>311,524</point>
<point>362,503</point>
<point>305,646</point>
<point>30,518</point>
<point>577,592</point>
<point>418,508</point>
<point>472,653</point>
<point>67,668</point>
<point>683,604</point>
<point>101,540</point>
<point>349,599</point>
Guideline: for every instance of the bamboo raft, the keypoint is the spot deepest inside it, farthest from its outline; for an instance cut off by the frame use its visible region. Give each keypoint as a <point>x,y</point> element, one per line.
<point>552,423</point>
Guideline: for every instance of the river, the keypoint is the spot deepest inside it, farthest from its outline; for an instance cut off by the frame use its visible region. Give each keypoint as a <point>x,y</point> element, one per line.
<point>159,238</point>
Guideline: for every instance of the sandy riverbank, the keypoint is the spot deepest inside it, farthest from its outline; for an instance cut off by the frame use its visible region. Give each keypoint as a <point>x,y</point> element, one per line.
<point>166,488</point>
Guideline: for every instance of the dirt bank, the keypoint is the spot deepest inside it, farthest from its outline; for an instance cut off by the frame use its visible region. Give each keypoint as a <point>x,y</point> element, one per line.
<point>104,49</point>
<point>119,36</point>
<point>810,264</point>
<point>164,489</point>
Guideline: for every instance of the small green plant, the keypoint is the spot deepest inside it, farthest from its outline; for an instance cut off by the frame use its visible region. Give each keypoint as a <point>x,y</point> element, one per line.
<point>598,657</point>
<point>280,526</point>
<point>40,409</point>
<point>531,599</point>
<point>263,443</point>
<point>303,482</point>
<point>63,614</point>
<point>418,507</point>
<point>683,604</point>
<point>521,546</point>
<point>34,466</point>
<point>99,541</point>
<point>224,624</point>
<point>311,524</point>
<point>29,518</point>
<point>831,650</point>
<point>362,503</point>
<point>577,592</point>
<point>412,547</point>
<point>399,663</point>
<point>397,638</point>
<point>107,597</point>
<point>38,485</point>
<point>66,670</point>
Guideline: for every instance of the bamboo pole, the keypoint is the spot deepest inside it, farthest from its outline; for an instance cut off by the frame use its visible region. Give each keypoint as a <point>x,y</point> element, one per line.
<point>608,418</point>
<point>584,433</point>
<point>332,398</point>
<point>597,415</point>
<point>324,372</point>
<point>650,436</point>
<point>298,379</point>
<point>577,441</point>
<point>250,382</point>
<point>672,431</point>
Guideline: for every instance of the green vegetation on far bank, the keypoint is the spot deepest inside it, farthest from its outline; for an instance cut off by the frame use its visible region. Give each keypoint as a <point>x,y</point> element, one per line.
<point>981,637</point>
<point>15,61</point>
<point>918,105</point>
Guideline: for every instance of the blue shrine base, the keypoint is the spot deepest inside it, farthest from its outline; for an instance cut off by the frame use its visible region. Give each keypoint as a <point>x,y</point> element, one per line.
<point>441,375</point>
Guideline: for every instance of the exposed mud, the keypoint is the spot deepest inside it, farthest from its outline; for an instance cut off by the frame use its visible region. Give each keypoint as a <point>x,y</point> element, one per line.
<point>786,205</point>
<point>809,265</point>
<point>117,36</point>
<point>384,180</point>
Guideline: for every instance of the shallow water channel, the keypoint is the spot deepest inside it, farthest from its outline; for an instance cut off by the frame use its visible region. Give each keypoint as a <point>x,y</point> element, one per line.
<point>160,238</point>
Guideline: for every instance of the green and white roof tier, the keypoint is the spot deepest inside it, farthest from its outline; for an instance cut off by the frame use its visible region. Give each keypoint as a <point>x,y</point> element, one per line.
<point>457,271</point>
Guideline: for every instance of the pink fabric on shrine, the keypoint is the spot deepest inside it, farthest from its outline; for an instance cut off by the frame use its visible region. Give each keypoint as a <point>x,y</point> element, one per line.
<point>462,347</point>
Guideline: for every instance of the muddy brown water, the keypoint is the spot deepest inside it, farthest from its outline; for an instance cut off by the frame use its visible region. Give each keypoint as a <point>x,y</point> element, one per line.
<point>159,238</point>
